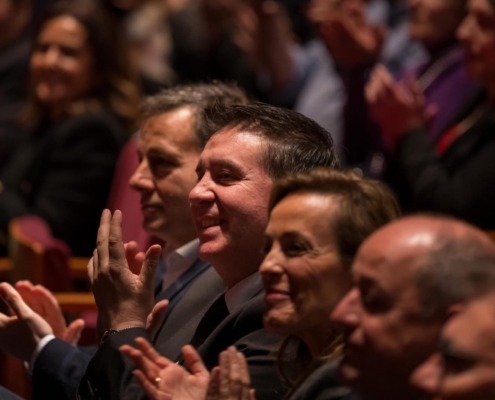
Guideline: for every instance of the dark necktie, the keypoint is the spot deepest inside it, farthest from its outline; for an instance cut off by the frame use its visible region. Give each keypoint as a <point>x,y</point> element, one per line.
<point>217,312</point>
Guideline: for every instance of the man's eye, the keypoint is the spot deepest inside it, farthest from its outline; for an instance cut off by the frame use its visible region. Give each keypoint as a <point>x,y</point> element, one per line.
<point>267,246</point>
<point>295,248</point>
<point>373,304</point>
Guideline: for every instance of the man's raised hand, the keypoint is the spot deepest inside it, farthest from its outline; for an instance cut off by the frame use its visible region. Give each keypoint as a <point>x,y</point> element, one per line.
<point>123,292</point>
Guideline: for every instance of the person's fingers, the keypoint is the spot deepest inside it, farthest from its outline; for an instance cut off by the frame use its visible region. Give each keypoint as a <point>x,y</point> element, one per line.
<point>252,394</point>
<point>101,261</point>
<point>244,375</point>
<point>150,264</point>
<point>235,374</point>
<point>430,112</point>
<point>131,250</point>
<point>116,249</point>
<point>194,361</point>
<point>156,316</point>
<point>74,331</point>
<point>214,386</point>
<point>25,289</point>
<point>153,356</point>
<point>224,378</point>
<point>149,388</point>
<point>149,368</point>
<point>14,301</point>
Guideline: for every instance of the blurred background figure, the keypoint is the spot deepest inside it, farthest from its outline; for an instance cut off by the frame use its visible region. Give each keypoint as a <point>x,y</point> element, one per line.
<point>442,79</point>
<point>15,48</point>
<point>83,103</point>
<point>455,173</point>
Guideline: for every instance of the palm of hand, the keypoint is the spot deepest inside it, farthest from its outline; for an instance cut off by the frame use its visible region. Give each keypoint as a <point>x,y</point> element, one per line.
<point>181,385</point>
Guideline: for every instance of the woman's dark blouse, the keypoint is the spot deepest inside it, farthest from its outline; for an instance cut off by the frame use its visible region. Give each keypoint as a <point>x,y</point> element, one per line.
<point>63,174</point>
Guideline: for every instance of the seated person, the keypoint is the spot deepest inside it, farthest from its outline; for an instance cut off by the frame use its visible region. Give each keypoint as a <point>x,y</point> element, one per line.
<point>173,129</point>
<point>253,145</point>
<point>306,271</point>
<point>454,175</point>
<point>463,368</point>
<point>83,103</point>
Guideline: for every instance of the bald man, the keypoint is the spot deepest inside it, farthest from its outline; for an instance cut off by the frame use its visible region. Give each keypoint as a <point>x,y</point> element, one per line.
<point>409,276</point>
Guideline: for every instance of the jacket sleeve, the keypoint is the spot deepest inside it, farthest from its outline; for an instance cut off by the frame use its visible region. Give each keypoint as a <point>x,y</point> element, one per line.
<point>58,370</point>
<point>106,371</point>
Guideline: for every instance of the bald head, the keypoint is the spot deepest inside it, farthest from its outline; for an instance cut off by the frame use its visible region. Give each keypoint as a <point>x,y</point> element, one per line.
<point>450,261</point>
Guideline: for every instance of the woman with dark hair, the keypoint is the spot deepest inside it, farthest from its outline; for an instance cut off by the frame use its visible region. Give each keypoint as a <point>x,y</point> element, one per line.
<point>455,174</point>
<point>317,222</point>
<point>83,102</point>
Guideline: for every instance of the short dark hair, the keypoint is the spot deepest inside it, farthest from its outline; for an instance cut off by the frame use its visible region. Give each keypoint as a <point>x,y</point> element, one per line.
<point>295,143</point>
<point>199,97</point>
<point>457,269</point>
<point>364,204</point>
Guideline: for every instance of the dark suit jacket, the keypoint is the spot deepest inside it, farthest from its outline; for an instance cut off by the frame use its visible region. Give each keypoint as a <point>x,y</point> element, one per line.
<point>243,329</point>
<point>59,367</point>
<point>63,174</point>
<point>460,182</point>
<point>322,384</point>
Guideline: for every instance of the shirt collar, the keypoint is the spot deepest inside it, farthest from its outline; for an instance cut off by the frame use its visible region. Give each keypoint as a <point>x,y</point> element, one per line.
<point>183,257</point>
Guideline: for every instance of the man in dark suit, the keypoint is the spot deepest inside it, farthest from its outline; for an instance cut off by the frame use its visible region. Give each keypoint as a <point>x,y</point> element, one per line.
<point>252,146</point>
<point>171,139</point>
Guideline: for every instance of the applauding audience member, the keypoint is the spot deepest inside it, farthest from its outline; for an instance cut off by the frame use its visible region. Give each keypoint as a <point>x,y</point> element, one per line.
<point>409,276</point>
<point>456,174</point>
<point>317,222</point>
<point>252,146</point>
<point>171,138</point>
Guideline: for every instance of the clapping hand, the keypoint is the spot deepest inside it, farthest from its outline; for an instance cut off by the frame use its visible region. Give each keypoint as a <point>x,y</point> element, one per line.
<point>397,106</point>
<point>19,334</point>
<point>231,380</point>
<point>43,303</point>
<point>123,287</point>
<point>162,379</point>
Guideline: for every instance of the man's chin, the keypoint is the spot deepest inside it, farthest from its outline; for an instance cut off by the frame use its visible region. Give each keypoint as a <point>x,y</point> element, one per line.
<point>348,373</point>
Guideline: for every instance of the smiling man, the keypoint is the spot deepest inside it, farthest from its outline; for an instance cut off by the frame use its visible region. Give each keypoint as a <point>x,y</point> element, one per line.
<point>252,146</point>
<point>171,138</point>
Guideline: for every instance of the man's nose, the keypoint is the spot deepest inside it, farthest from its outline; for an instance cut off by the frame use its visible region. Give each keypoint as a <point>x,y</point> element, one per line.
<point>202,192</point>
<point>142,178</point>
<point>428,375</point>
<point>348,310</point>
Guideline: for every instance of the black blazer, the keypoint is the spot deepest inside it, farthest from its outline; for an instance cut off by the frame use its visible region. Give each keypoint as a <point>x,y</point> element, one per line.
<point>59,367</point>
<point>243,329</point>
<point>461,182</point>
<point>63,174</point>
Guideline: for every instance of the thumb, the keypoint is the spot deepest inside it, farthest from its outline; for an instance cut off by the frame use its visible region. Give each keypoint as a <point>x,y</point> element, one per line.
<point>74,331</point>
<point>150,264</point>
<point>156,316</point>
<point>252,394</point>
<point>14,301</point>
<point>430,112</point>
<point>194,361</point>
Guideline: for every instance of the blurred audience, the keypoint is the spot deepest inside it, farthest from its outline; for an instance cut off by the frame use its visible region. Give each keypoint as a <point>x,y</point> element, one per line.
<point>317,222</point>
<point>443,80</point>
<point>456,174</point>
<point>83,103</point>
